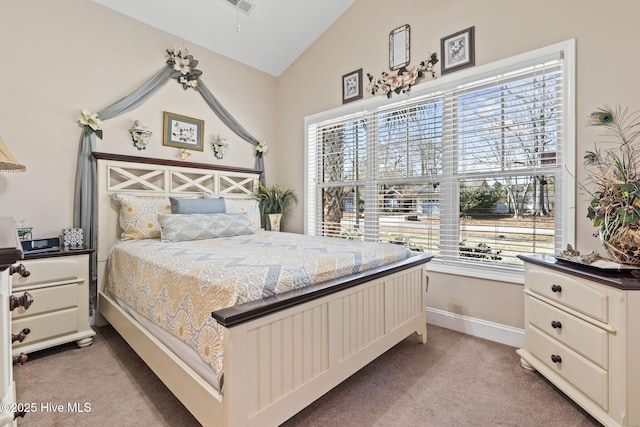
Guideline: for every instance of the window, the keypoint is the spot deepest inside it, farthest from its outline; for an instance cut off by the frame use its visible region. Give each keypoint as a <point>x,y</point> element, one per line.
<point>475,167</point>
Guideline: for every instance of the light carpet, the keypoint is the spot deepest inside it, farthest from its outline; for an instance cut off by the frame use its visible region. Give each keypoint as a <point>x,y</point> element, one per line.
<point>453,380</point>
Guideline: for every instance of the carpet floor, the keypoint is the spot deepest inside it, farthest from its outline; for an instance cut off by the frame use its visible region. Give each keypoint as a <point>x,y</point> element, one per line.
<point>453,380</point>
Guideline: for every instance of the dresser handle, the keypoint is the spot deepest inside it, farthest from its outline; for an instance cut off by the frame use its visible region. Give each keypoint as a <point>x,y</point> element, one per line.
<point>24,301</point>
<point>556,325</point>
<point>21,269</point>
<point>556,288</point>
<point>20,359</point>
<point>19,414</point>
<point>20,336</point>
<point>555,358</point>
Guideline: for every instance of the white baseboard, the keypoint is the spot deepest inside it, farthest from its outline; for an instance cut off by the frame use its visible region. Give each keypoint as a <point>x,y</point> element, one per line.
<point>476,327</point>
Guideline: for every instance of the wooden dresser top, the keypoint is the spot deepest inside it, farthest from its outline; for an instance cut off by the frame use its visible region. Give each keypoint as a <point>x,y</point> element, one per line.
<point>628,280</point>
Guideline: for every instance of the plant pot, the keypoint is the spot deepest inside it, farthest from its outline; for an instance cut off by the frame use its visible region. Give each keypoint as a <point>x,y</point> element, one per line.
<point>624,245</point>
<point>274,221</point>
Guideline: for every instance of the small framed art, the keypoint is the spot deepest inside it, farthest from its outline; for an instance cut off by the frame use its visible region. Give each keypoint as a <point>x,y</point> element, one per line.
<point>183,132</point>
<point>458,50</point>
<point>352,86</point>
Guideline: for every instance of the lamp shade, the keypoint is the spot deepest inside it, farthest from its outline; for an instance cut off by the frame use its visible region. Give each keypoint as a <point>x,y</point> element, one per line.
<point>8,163</point>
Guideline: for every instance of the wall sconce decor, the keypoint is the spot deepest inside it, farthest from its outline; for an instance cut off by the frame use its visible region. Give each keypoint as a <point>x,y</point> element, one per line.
<point>184,154</point>
<point>8,163</point>
<point>220,146</point>
<point>140,135</point>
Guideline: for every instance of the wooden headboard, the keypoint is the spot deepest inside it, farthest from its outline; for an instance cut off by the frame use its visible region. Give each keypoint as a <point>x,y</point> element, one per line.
<point>144,176</point>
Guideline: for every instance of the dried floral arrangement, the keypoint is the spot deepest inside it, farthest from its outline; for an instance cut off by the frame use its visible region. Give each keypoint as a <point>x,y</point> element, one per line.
<point>614,173</point>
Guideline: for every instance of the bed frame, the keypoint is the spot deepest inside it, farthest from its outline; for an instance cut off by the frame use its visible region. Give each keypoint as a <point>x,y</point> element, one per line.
<point>281,353</point>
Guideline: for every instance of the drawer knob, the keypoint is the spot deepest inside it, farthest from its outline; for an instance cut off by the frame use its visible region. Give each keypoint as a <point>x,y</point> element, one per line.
<point>555,324</point>
<point>20,359</point>
<point>20,269</point>
<point>20,336</point>
<point>555,358</point>
<point>556,288</point>
<point>24,301</point>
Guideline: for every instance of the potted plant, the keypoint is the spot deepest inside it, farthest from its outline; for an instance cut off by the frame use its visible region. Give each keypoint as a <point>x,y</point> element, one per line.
<point>614,171</point>
<point>274,202</point>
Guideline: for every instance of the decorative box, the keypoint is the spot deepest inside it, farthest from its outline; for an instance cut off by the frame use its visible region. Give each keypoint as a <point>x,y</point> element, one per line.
<point>73,238</point>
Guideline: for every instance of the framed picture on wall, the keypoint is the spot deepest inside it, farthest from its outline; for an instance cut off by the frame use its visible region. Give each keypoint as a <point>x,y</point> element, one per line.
<point>352,86</point>
<point>183,132</point>
<point>458,50</point>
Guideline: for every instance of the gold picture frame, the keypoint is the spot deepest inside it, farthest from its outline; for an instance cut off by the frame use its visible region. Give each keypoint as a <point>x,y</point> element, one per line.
<point>182,132</point>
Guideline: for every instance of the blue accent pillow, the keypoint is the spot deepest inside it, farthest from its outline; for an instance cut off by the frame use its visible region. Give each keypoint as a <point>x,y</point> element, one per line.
<point>197,206</point>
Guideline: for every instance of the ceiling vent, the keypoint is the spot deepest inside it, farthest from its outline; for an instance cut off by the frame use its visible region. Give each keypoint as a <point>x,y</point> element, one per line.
<point>244,6</point>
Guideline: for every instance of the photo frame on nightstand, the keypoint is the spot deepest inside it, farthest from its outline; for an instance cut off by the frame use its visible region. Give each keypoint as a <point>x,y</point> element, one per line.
<point>73,238</point>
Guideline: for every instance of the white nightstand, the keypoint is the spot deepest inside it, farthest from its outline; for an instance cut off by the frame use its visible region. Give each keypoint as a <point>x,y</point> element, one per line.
<point>581,333</point>
<point>59,284</point>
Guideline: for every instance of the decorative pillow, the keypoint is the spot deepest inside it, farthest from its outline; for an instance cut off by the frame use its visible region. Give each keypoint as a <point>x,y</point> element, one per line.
<point>197,206</point>
<point>181,227</point>
<point>248,206</point>
<point>139,215</point>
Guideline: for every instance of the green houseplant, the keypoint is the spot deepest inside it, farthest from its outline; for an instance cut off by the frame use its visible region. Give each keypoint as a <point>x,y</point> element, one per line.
<point>614,172</point>
<point>274,202</point>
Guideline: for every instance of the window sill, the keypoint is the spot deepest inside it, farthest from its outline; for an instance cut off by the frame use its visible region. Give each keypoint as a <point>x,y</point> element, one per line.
<point>477,271</point>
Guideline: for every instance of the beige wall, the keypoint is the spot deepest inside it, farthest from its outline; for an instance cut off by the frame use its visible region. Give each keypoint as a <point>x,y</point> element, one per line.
<point>65,55</point>
<point>607,72</point>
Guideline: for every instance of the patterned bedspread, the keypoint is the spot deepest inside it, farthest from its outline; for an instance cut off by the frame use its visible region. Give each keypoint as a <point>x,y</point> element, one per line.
<point>178,285</point>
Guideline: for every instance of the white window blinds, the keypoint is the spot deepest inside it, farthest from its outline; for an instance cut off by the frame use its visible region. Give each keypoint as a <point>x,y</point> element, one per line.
<point>472,169</point>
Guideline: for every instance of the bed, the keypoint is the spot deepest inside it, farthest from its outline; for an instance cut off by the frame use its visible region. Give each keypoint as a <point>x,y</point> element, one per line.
<point>281,352</point>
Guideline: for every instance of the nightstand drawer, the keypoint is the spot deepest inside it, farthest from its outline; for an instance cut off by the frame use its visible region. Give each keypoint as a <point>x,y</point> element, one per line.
<point>569,291</point>
<point>47,270</point>
<point>53,298</point>
<point>588,340</point>
<point>46,326</point>
<point>590,379</point>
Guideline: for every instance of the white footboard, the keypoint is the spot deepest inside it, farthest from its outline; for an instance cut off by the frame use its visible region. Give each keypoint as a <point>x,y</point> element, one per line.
<point>275,362</point>
<point>277,365</point>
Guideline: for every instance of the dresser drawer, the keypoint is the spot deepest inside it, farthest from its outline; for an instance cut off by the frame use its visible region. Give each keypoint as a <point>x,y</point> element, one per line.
<point>47,270</point>
<point>590,379</point>
<point>568,291</point>
<point>588,340</point>
<point>48,299</point>
<point>46,326</point>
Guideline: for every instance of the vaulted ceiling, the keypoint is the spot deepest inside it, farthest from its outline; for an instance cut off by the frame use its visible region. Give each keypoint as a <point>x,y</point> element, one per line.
<point>270,38</point>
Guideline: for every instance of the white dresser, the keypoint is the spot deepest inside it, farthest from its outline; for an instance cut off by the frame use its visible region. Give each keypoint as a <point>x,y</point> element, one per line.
<point>10,252</point>
<point>582,332</point>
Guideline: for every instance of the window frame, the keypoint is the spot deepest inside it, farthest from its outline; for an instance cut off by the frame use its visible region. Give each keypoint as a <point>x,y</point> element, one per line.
<point>447,83</point>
